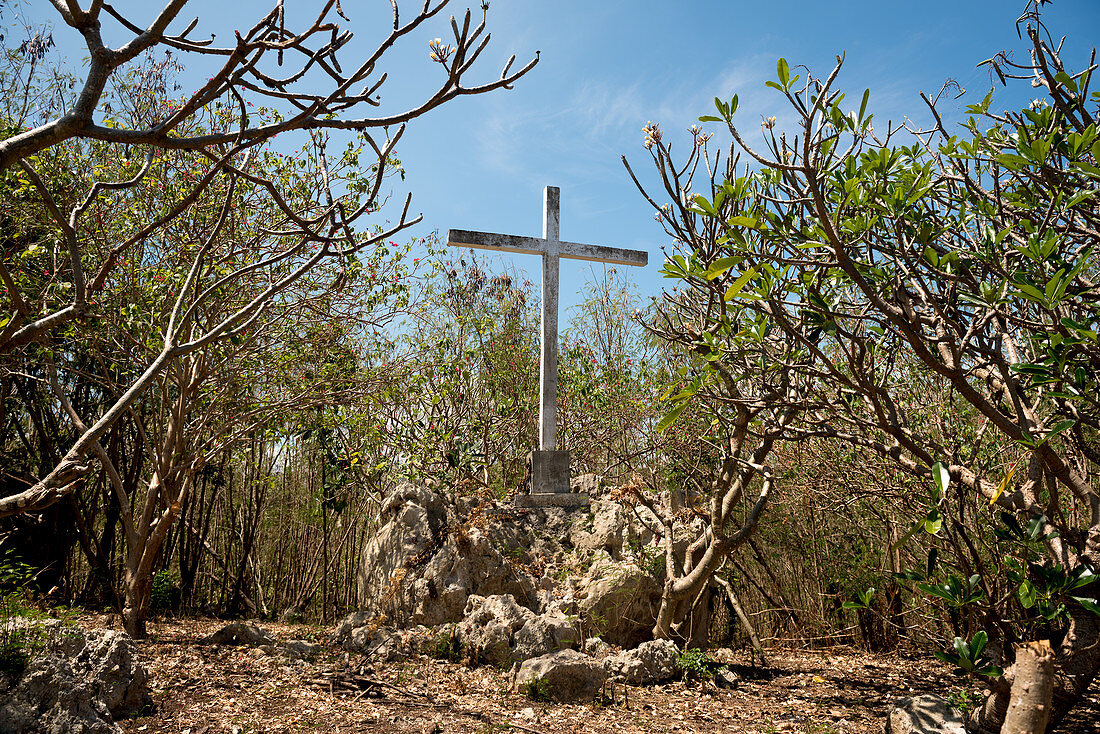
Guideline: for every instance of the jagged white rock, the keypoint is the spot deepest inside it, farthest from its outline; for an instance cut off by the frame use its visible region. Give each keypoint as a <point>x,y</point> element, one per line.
<point>651,662</point>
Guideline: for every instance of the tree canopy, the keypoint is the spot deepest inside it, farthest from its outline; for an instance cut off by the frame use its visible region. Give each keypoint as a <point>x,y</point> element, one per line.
<point>928,295</point>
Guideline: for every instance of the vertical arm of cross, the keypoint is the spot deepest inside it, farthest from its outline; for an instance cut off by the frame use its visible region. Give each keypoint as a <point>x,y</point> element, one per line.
<point>548,373</point>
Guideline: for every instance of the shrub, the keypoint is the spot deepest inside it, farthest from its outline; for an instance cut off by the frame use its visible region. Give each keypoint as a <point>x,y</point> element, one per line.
<point>445,646</point>
<point>165,595</point>
<point>18,642</point>
<point>695,664</point>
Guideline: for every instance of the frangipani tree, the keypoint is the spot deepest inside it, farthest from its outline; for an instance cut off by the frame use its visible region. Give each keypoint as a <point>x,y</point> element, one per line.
<point>960,256</point>
<point>204,238</point>
<point>270,64</point>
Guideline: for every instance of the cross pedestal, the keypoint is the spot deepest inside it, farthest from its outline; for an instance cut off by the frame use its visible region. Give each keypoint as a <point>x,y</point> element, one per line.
<point>548,481</point>
<point>548,467</point>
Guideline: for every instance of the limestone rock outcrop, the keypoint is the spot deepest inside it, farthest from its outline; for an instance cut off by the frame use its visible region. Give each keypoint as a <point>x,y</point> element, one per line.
<point>499,631</point>
<point>544,634</point>
<point>517,583</point>
<point>620,600</point>
<point>361,633</point>
<point>432,553</point>
<point>490,625</point>
<point>78,681</point>
<point>926,714</point>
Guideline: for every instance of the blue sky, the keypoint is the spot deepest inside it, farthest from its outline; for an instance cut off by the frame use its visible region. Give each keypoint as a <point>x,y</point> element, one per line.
<point>608,67</point>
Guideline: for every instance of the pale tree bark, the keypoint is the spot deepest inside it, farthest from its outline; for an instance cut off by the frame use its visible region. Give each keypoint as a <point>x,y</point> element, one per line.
<point>1032,689</point>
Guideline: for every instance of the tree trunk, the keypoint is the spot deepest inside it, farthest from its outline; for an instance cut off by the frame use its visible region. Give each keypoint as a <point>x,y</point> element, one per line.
<point>1075,665</point>
<point>1076,661</point>
<point>135,608</point>
<point>1032,689</point>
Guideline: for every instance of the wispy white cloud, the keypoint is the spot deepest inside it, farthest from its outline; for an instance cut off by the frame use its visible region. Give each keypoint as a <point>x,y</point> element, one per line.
<point>577,134</point>
<point>675,102</point>
<point>602,118</point>
<point>600,107</point>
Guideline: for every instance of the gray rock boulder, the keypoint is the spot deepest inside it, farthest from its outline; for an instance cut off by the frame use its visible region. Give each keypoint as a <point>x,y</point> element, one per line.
<point>650,662</point>
<point>597,648</point>
<point>618,601</point>
<point>565,607</point>
<point>356,620</point>
<point>502,609</point>
<point>384,644</point>
<point>79,681</point>
<point>603,528</point>
<point>109,659</point>
<point>726,678</point>
<point>566,676</point>
<point>544,634</point>
<point>589,484</point>
<point>617,528</point>
<point>498,630</point>
<point>925,714</point>
<point>434,552</point>
<point>299,649</point>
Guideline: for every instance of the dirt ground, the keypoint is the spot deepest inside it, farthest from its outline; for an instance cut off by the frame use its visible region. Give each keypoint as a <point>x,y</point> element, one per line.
<point>199,689</point>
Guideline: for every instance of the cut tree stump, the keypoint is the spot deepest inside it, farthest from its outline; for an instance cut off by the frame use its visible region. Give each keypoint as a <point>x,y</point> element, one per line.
<point>1032,688</point>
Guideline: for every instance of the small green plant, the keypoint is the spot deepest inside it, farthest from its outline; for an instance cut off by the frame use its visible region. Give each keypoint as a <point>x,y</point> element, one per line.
<point>593,624</point>
<point>407,672</point>
<point>491,728</point>
<point>537,689</point>
<point>313,634</point>
<point>695,664</point>
<point>653,562</point>
<point>964,699</point>
<point>956,591</point>
<point>444,646</point>
<point>14,652</point>
<point>23,626</point>
<point>862,600</point>
<point>1046,591</point>
<point>18,641</point>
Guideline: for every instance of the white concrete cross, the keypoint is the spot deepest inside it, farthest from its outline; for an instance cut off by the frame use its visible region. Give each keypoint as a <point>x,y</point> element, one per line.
<point>551,248</point>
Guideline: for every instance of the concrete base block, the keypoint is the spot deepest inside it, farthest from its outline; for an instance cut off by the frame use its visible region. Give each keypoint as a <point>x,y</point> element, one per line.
<point>553,500</point>
<point>548,472</point>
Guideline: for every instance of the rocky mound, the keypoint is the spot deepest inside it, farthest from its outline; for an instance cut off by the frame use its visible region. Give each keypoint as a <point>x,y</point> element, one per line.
<point>479,580</point>
<point>78,681</point>
<point>433,552</point>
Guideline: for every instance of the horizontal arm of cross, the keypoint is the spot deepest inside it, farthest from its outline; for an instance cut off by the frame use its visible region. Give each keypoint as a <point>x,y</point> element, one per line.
<point>536,245</point>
